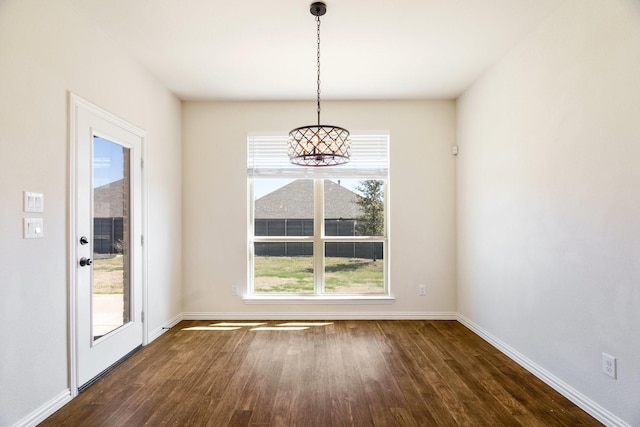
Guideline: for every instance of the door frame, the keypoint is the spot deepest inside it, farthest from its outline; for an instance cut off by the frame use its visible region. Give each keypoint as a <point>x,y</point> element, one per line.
<point>77,103</point>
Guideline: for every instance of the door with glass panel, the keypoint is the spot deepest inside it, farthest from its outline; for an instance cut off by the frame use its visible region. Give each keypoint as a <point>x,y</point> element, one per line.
<point>107,241</point>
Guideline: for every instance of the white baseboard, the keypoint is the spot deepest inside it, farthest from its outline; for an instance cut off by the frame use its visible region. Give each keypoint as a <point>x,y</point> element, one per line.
<point>377,315</point>
<point>164,328</point>
<point>45,410</point>
<point>579,399</point>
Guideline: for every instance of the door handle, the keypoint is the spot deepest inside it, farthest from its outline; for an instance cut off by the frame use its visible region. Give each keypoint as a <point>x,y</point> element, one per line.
<point>85,261</point>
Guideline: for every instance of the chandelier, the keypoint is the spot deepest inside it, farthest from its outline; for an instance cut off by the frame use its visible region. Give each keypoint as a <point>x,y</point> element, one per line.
<point>319,145</point>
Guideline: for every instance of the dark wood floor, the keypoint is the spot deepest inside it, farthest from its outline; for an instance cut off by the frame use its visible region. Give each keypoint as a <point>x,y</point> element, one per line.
<point>364,373</point>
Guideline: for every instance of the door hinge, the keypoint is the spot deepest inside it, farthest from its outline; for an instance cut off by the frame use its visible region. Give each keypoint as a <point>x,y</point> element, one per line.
<point>142,316</point>
<point>142,163</point>
<point>142,240</point>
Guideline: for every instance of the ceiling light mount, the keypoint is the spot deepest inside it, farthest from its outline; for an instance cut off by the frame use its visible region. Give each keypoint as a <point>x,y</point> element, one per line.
<point>319,145</point>
<point>318,8</point>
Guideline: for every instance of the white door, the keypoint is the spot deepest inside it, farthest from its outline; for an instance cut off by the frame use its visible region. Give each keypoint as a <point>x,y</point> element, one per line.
<point>107,239</point>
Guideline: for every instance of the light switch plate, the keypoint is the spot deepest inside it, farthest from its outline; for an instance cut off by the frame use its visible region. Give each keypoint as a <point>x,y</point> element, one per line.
<point>33,228</point>
<point>33,202</point>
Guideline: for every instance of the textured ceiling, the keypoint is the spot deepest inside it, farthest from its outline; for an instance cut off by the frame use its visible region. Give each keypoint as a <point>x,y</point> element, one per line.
<point>378,49</point>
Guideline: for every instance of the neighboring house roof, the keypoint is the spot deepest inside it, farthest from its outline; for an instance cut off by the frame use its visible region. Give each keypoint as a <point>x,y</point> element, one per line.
<point>295,201</point>
<point>107,200</point>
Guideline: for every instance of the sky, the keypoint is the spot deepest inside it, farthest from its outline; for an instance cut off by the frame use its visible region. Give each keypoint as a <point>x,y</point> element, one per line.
<point>107,161</point>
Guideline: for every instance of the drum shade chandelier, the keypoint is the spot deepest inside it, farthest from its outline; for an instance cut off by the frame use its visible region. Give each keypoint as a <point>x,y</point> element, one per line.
<point>319,145</point>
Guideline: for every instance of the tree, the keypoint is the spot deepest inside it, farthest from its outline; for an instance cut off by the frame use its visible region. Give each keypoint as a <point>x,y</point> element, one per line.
<point>371,222</point>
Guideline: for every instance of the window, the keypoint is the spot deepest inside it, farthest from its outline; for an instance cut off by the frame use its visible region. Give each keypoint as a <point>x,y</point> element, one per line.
<point>318,231</point>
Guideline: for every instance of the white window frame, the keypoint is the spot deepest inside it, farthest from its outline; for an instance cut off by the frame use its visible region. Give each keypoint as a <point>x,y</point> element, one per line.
<point>270,160</point>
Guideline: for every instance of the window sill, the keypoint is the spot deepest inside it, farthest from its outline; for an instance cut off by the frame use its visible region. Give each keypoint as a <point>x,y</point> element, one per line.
<point>318,299</point>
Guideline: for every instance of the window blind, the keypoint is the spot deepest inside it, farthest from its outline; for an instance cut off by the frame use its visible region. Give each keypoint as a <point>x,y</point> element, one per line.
<point>267,158</point>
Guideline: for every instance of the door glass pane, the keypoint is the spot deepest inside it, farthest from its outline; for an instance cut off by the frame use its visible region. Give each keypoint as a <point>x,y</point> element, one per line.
<point>111,244</point>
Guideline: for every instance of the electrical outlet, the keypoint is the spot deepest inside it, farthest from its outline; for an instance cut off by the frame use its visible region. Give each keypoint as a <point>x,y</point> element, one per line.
<point>422,290</point>
<point>235,290</point>
<point>609,365</point>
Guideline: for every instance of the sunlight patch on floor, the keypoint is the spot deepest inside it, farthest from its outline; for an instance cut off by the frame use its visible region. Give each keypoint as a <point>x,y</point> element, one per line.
<point>242,324</point>
<point>258,326</point>
<point>306,324</point>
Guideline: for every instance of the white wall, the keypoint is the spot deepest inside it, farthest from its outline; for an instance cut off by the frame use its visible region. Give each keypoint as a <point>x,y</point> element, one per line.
<point>549,200</point>
<point>421,192</point>
<point>47,50</point>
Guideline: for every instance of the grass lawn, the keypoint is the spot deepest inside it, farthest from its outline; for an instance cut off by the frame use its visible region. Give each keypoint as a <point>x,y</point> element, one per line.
<point>108,275</point>
<point>295,275</point>
<point>273,275</point>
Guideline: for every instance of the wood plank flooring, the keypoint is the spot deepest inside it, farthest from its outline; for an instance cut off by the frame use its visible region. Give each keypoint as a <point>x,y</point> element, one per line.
<point>346,373</point>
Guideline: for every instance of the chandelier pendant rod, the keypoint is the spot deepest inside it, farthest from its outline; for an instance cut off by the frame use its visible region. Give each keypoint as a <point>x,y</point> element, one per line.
<point>318,57</point>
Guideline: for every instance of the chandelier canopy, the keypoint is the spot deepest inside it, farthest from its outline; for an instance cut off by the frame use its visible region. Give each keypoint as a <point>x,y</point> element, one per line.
<point>319,145</point>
